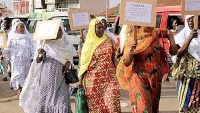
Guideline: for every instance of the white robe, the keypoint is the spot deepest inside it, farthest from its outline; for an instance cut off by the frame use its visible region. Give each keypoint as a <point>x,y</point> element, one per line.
<point>20,50</point>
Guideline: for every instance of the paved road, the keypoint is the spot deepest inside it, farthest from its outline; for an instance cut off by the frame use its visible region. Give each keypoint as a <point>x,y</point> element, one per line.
<point>168,103</point>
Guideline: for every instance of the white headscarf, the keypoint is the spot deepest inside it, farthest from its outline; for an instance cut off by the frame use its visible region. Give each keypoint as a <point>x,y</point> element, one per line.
<point>195,43</point>
<point>13,26</point>
<point>14,21</point>
<point>14,35</point>
<point>61,49</point>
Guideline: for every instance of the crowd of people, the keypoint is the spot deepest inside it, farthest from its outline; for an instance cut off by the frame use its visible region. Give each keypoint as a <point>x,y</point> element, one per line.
<point>105,66</point>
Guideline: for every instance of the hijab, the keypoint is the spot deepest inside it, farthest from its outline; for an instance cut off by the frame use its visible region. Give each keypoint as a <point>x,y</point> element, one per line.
<point>15,21</point>
<point>60,49</point>
<point>183,35</point>
<point>15,35</point>
<point>12,31</point>
<point>90,45</point>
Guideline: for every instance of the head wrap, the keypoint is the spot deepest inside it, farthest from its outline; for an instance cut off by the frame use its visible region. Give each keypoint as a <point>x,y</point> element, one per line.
<point>14,35</point>
<point>90,45</point>
<point>13,26</point>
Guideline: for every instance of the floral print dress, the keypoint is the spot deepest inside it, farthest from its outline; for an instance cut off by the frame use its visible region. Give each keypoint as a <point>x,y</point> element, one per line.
<point>146,80</point>
<point>143,79</point>
<point>101,86</point>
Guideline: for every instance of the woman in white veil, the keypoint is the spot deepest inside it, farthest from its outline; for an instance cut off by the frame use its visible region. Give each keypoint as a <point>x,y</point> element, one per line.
<point>12,31</point>
<point>45,90</point>
<point>187,67</point>
<point>20,51</point>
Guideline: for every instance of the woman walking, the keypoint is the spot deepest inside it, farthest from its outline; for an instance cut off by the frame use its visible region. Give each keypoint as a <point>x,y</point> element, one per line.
<point>141,67</point>
<point>187,67</point>
<point>98,69</point>
<point>45,89</point>
<point>20,51</point>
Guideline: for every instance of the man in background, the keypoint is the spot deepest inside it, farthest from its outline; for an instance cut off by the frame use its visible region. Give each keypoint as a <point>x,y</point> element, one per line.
<point>5,28</point>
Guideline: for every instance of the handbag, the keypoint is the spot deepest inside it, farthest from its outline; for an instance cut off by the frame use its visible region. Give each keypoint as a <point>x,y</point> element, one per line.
<point>81,100</point>
<point>71,76</point>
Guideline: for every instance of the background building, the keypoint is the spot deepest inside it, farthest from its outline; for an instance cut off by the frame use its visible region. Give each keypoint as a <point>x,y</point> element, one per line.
<point>7,3</point>
<point>23,7</point>
<point>6,8</point>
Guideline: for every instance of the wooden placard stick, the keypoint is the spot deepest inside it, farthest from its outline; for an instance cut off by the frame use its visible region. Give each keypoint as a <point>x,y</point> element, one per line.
<point>195,21</point>
<point>82,40</point>
<point>42,47</point>
<point>43,43</point>
<point>81,32</point>
<point>135,33</point>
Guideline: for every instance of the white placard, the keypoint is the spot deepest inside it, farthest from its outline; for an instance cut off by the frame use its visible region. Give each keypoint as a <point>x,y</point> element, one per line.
<point>80,19</point>
<point>139,12</point>
<point>45,31</point>
<point>192,5</point>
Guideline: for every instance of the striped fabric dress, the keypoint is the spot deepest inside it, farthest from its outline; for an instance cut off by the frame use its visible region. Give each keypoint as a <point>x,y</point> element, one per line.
<point>188,75</point>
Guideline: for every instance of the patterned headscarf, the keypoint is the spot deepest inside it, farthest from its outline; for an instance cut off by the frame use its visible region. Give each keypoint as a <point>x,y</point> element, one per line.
<point>90,45</point>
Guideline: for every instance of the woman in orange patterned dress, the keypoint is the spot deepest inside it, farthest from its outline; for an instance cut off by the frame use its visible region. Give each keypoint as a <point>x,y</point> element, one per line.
<point>98,71</point>
<point>141,68</point>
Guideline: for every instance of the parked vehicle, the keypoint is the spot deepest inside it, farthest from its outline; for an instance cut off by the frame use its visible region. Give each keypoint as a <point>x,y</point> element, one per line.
<point>165,14</point>
<point>31,25</point>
